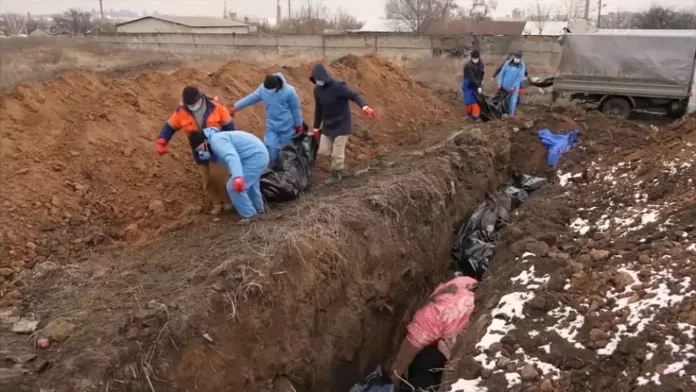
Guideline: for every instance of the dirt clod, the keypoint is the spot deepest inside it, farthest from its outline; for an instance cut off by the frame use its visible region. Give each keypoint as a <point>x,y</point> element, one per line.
<point>529,373</point>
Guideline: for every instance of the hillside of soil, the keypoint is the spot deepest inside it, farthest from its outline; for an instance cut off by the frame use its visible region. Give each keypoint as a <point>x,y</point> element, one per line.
<point>79,168</point>
<point>593,284</point>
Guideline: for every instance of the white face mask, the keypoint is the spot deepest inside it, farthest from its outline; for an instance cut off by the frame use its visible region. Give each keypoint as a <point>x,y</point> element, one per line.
<point>475,61</point>
<point>195,106</point>
<point>516,60</point>
<point>320,82</point>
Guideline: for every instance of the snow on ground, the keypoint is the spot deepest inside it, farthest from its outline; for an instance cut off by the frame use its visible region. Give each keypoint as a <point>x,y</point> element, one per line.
<point>634,294</point>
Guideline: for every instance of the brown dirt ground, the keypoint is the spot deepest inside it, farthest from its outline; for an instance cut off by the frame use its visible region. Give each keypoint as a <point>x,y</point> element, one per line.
<point>633,185</point>
<point>316,290</point>
<point>79,167</point>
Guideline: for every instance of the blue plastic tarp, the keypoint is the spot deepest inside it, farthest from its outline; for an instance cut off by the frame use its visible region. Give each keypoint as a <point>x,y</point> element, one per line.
<point>558,144</point>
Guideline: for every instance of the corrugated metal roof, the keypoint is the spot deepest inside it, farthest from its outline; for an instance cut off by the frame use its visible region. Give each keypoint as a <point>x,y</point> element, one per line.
<point>646,32</point>
<point>548,28</point>
<point>192,21</point>
<point>476,27</point>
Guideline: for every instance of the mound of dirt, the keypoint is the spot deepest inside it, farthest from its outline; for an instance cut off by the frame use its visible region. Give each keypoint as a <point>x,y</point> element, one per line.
<point>599,291</point>
<point>80,170</point>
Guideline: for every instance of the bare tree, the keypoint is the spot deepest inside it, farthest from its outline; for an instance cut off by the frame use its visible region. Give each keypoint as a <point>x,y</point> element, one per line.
<point>618,20</point>
<point>14,24</point>
<point>539,13</point>
<point>478,9</point>
<point>418,15</point>
<point>658,17</point>
<point>572,9</point>
<point>315,18</point>
<point>74,21</point>
<point>345,21</point>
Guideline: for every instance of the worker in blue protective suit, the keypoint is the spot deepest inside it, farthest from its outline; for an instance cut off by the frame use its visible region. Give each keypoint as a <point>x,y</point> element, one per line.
<point>283,112</point>
<point>510,80</point>
<point>246,157</point>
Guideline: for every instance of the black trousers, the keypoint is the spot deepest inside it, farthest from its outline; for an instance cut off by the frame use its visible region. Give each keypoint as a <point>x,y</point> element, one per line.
<point>426,369</point>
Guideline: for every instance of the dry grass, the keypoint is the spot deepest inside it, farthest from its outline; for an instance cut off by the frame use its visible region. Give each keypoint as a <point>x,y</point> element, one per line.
<point>323,227</point>
<point>44,59</point>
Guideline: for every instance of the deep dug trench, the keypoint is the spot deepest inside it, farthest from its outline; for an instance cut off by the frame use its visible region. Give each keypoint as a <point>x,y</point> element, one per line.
<point>319,292</point>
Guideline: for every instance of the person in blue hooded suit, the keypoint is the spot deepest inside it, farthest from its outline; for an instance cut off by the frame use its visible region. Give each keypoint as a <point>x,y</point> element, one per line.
<point>510,80</point>
<point>246,157</point>
<point>283,112</point>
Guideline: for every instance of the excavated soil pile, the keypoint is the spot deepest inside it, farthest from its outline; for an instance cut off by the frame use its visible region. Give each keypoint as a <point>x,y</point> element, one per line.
<point>80,170</point>
<point>597,275</point>
<point>314,292</point>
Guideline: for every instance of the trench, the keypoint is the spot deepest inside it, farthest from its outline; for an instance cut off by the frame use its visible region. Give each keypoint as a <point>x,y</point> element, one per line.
<point>472,247</point>
<point>412,275</point>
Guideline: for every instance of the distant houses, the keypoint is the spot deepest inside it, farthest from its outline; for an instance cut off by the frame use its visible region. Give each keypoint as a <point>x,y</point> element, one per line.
<point>155,24</point>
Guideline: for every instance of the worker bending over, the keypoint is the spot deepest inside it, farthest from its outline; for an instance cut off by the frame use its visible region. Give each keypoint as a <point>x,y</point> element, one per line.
<point>432,333</point>
<point>196,112</point>
<point>283,112</point>
<point>246,157</point>
<point>332,116</point>
<point>511,79</point>
<point>472,85</point>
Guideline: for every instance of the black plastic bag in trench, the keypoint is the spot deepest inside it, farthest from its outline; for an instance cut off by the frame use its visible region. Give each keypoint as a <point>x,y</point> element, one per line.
<point>477,235</point>
<point>292,171</point>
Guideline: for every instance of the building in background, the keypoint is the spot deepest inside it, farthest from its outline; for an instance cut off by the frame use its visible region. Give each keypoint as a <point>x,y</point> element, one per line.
<point>155,24</point>
<point>384,26</point>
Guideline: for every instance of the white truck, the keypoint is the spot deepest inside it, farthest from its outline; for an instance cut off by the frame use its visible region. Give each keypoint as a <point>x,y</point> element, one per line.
<point>619,71</point>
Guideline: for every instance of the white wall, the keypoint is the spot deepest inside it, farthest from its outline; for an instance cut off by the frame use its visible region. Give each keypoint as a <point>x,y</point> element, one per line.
<point>152,25</point>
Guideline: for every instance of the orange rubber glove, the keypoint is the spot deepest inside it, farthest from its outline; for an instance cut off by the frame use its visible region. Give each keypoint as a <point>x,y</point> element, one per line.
<point>161,146</point>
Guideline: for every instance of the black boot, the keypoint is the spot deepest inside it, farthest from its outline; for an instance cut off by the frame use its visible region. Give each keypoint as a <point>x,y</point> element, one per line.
<point>336,177</point>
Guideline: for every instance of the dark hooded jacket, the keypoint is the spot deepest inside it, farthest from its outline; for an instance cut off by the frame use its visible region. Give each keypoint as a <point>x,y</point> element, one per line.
<point>332,104</point>
<point>473,72</point>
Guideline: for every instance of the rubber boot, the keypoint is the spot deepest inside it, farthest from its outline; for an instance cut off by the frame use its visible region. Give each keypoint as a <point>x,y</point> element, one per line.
<point>247,221</point>
<point>336,177</point>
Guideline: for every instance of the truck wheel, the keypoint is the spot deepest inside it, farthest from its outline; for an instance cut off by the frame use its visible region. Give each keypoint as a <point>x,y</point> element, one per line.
<point>617,107</point>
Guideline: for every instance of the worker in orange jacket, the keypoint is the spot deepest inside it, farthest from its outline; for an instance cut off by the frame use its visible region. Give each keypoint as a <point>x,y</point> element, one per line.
<point>195,113</point>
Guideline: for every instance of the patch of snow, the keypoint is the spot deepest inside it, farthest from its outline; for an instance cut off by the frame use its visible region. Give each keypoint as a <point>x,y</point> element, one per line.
<point>564,178</point>
<point>569,332</point>
<point>546,348</point>
<point>676,367</point>
<point>463,385</point>
<point>509,308</point>
<point>513,379</point>
<point>580,226</point>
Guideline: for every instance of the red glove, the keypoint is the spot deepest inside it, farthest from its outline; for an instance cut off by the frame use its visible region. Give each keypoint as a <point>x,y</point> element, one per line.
<point>233,111</point>
<point>238,185</point>
<point>512,90</point>
<point>298,130</point>
<point>161,146</point>
<point>369,112</point>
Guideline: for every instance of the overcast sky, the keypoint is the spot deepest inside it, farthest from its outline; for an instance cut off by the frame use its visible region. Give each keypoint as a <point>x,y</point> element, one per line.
<point>363,9</point>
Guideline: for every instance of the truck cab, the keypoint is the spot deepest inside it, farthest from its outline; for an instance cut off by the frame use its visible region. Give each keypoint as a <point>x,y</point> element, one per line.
<point>621,71</point>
